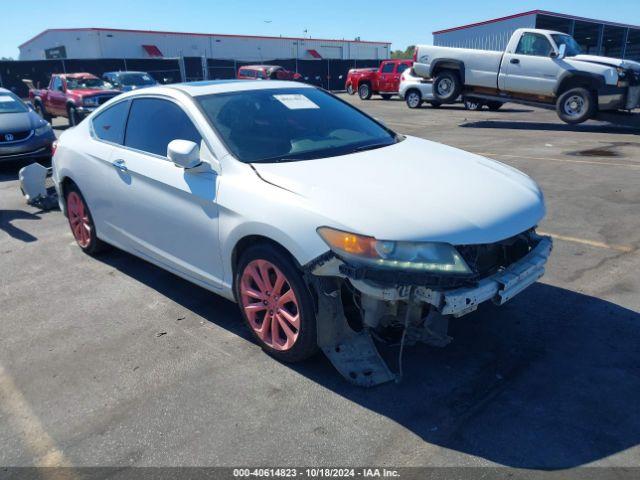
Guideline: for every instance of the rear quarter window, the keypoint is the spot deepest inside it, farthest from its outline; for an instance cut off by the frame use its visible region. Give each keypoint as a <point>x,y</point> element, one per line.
<point>109,125</point>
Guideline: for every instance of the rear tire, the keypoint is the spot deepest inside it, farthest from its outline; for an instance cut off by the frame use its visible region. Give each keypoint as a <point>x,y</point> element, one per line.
<point>261,301</point>
<point>575,106</point>
<point>364,91</point>
<point>494,106</point>
<point>386,96</point>
<point>413,98</point>
<point>81,222</point>
<point>40,110</point>
<point>447,86</point>
<point>350,90</point>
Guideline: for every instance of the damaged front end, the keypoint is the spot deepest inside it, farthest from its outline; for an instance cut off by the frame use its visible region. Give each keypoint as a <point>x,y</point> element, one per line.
<point>358,302</point>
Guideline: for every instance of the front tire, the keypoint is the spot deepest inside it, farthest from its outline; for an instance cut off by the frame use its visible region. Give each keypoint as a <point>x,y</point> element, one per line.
<point>276,304</point>
<point>364,91</point>
<point>81,222</point>
<point>413,98</point>
<point>447,86</point>
<point>575,106</point>
<point>74,116</point>
<point>40,110</point>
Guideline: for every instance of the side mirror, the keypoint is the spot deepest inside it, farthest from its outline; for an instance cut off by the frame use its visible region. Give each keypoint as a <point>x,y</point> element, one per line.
<point>562,51</point>
<point>184,154</point>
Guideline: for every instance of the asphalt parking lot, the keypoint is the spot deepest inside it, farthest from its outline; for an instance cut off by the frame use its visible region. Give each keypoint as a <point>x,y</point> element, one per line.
<point>111,361</point>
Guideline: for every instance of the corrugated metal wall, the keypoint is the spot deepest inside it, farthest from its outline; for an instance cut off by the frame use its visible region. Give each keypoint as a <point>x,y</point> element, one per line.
<point>490,36</point>
<point>123,44</point>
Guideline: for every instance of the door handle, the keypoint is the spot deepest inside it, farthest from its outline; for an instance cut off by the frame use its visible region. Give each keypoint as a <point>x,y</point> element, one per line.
<point>515,61</point>
<point>120,165</point>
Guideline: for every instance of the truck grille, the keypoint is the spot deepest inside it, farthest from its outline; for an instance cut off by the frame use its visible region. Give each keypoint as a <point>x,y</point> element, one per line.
<point>11,137</point>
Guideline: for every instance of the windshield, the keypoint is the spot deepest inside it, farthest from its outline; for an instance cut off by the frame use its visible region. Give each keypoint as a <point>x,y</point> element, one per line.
<point>11,104</point>
<point>135,79</point>
<point>573,48</point>
<point>291,124</point>
<point>86,82</point>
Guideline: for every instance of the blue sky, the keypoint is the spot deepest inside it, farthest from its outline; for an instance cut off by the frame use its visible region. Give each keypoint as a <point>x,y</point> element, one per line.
<point>402,23</point>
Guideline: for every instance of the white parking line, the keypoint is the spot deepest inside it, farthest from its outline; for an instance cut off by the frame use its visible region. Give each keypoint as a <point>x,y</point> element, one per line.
<point>591,243</point>
<point>563,160</point>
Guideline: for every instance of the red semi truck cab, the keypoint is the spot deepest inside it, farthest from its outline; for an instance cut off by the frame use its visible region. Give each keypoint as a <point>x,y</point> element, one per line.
<point>71,95</point>
<point>383,81</point>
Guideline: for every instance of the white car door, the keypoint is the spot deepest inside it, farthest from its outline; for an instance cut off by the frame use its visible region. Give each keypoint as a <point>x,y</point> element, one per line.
<point>162,212</point>
<point>530,69</point>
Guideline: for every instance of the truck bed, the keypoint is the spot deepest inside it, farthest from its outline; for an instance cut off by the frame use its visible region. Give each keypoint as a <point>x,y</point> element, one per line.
<point>481,66</point>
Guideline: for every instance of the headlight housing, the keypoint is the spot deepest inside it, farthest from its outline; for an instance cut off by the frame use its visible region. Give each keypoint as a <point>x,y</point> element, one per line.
<point>431,257</point>
<point>90,102</point>
<point>43,129</point>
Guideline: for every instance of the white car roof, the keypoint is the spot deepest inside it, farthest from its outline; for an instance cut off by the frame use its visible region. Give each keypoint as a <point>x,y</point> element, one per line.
<point>208,87</point>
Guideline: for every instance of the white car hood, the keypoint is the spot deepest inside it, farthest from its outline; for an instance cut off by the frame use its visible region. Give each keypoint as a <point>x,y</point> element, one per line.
<point>614,62</point>
<point>415,190</point>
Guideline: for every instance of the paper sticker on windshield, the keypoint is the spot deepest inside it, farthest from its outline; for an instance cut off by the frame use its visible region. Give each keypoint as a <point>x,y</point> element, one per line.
<point>295,101</point>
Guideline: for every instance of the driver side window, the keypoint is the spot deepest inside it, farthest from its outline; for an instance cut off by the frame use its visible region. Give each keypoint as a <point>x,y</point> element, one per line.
<point>534,44</point>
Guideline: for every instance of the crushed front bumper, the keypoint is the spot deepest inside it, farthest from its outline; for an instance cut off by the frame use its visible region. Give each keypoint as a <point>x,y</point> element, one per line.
<point>499,287</point>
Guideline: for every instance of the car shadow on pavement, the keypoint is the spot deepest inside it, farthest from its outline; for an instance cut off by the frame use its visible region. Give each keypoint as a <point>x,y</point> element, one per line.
<point>551,127</point>
<point>6,224</point>
<point>550,380</point>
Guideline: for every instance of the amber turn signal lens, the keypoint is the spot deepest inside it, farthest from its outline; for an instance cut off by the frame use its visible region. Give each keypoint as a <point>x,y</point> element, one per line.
<point>349,242</point>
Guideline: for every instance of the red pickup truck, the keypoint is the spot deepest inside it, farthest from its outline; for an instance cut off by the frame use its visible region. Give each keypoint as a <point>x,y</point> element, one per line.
<point>71,95</point>
<point>384,80</point>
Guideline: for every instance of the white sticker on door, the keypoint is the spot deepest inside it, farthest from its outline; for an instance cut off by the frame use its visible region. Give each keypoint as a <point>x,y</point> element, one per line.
<point>295,101</point>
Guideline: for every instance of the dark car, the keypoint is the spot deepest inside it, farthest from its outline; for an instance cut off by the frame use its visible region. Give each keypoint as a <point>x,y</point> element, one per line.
<point>126,81</point>
<point>23,133</point>
<point>266,72</point>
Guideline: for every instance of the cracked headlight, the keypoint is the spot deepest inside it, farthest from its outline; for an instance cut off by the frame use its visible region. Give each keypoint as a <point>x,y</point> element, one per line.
<point>90,102</point>
<point>43,129</point>
<point>434,257</point>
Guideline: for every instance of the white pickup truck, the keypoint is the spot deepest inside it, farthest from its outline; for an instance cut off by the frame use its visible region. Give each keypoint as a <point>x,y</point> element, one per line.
<point>539,67</point>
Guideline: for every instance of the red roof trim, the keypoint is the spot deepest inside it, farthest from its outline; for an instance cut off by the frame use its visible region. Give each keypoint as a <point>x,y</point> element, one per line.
<point>227,35</point>
<point>535,12</point>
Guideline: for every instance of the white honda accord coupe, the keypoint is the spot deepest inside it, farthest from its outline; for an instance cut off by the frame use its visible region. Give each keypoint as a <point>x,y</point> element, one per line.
<point>327,228</point>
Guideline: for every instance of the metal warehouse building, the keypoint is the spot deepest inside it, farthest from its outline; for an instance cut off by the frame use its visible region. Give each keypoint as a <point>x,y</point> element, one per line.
<point>81,43</point>
<point>595,36</point>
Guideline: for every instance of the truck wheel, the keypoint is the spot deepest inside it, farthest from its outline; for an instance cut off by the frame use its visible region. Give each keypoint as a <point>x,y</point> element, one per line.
<point>413,99</point>
<point>364,91</point>
<point>385,96</point>
<point>350,89</point>
<point>39,109</point>
<point>472,104</point>
<point>446,86</point>
<point>276,303</point>
<point>74,118</point>
<point>575,106</point>
<point>494,106</point>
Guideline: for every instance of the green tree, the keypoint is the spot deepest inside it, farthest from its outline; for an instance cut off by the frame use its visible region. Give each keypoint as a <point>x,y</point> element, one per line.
<point>407,53</point>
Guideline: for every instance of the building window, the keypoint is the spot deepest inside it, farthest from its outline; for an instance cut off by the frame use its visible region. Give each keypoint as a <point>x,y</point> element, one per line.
<point>588,36</point>
<point>633,45</point>
<point>559,24</point>
<point>613,41</point>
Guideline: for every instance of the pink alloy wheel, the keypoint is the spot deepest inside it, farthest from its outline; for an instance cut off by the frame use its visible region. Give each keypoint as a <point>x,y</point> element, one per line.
<point>79,219</point>
<point>270,304</point>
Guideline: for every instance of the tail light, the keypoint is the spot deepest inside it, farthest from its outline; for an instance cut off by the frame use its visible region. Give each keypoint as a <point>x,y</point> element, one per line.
<point>54,146</point>
<point>415,54</point>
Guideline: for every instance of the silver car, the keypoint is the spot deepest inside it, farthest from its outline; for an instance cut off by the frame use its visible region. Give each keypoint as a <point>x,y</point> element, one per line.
<point>23,133</point>
<point>416,90</point>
